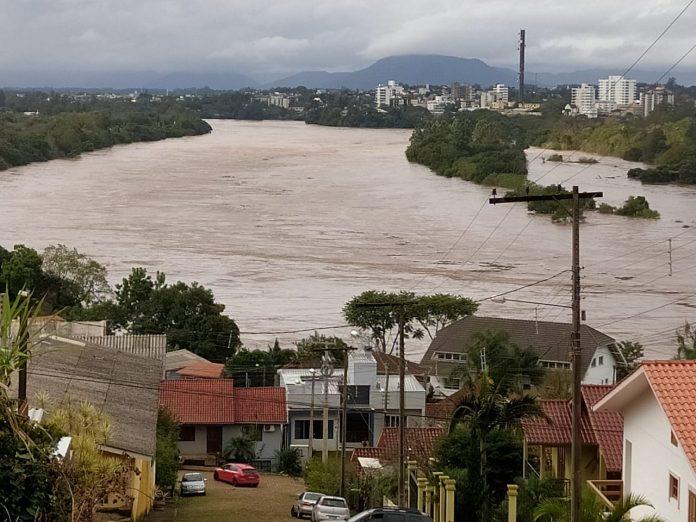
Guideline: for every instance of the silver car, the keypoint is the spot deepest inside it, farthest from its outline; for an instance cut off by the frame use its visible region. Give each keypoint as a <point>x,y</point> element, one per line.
<point>192,484</point>
<point>330,508</point>
<point>304,504</point>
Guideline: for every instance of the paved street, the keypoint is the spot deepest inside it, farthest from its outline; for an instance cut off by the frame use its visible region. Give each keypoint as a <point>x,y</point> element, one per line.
<point>270,502</point>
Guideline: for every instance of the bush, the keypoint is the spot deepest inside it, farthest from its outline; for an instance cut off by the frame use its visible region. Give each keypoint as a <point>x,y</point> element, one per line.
<point>240,449</point>
<point>323,478</point>
<point>637,206</point>
<point>289,461</point>
<point>167,453</point>
<point>606,208</point>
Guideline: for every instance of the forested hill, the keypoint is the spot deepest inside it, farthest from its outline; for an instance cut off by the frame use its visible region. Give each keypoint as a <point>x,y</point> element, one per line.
<point>62,129</point>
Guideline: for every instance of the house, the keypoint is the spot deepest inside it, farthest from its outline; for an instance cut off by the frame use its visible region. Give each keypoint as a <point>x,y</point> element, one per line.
<point>178,359</point>
<point>122,385</point>
<point>658,404</point>
<point>373,403</point>
<point>420,445</point>
<point>389,364</point>
<point>213,411</point>
<point>547,441</point>
<point>199,370</point>
<point>550,340</point>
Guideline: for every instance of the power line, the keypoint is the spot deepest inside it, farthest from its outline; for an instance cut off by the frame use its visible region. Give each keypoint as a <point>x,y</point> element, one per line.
<point>647,50</point>
<point>675,64</point>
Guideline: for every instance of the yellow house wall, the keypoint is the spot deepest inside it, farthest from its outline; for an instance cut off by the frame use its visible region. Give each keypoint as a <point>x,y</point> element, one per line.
<point>143,488</point>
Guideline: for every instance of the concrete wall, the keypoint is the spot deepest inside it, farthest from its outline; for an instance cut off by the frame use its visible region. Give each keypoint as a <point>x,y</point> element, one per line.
<point>653,458</point>
<point>603,373</point>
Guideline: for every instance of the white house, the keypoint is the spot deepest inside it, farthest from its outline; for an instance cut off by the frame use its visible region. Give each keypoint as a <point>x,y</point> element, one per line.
<point>550,340</point>
<point>372,402</point>
<point>658,403</point>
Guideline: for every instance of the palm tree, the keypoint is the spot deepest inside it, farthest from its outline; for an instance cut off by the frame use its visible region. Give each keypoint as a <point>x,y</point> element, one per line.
<point>486,409</point>
<point>592,510</point>
<point>240,449</point>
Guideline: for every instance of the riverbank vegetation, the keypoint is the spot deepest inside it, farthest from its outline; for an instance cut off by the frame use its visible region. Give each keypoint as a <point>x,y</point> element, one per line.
<point>634,206</point>
<point>60,127</point>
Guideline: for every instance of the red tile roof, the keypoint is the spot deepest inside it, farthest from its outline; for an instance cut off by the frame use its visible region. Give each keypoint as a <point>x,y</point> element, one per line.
<point>217,401</point>
<point>607,426</point>
<point>674,385</point>
<point>604,429</point>
<point>199,401</point>
<point>263,405</point>
<point>202,370</point>
<point>420,443</point>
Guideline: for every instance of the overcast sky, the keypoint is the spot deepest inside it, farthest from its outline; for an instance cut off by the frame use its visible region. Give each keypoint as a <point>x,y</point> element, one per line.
<point>270,36</point>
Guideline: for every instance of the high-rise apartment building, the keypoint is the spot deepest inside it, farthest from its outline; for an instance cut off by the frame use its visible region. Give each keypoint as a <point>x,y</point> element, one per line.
<point>617,89</point>
<point>585,100</point>
<point>651,98</point>
<point>388,95</point>
<point>501,93</point>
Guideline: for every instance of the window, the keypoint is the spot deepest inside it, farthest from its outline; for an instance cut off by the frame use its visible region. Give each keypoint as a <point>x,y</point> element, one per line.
<point>594,362</point>
<point>600,360</point>
<point>450,357</point>
<point>302,429</point>
<point>253,432</point>
<point>357,427</point>
<point>673,487</point>
<point>187,433</point>
<point>391,421</point>
<point>358,394</point>
<point>673,439</point>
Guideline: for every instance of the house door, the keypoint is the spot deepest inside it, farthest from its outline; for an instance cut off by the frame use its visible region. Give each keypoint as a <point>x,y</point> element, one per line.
<point>214,439</point>
<point>692,507</point>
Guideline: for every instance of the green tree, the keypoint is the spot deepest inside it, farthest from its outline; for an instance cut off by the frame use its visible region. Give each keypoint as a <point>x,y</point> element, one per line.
<point>507,364</point>
<point>486,411</point>
<point>686,343</point>
<point>592,510</point>
<point>167,450</point>
<point>308,349</point>
<point>632,352</point>
<point>188,314</point>
<point>257,367</point>
<point>436,311</point>
<point>240,449</point>
<point>87,275</point>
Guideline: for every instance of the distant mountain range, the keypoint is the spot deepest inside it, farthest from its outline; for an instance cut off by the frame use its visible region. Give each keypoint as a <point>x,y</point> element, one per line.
<point>413,69</point>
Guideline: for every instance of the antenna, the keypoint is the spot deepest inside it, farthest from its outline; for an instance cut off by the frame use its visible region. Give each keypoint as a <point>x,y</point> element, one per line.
<point>521,73</point>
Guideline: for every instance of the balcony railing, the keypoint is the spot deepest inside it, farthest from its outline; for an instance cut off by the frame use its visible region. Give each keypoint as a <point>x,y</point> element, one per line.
<point>610,492</point>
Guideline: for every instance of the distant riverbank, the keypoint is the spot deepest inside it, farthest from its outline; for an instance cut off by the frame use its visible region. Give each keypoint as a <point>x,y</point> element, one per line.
<point>30,138</point>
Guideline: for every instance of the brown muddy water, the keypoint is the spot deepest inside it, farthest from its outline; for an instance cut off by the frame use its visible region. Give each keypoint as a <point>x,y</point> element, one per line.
<point>287,221</point>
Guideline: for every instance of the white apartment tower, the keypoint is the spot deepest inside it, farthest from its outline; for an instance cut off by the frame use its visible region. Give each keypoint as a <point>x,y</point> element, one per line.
<point>501,93</point>
<point>388,95</point>
<point>585,99</point>
<point>617,89</point>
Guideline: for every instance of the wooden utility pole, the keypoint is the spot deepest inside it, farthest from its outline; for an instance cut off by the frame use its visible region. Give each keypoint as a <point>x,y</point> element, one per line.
<point>311,415</point>
<point>575,196</point>
<point>402,416</point>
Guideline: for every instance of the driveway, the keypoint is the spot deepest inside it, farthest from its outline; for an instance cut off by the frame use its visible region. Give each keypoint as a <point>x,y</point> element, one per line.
<point>270,501</point>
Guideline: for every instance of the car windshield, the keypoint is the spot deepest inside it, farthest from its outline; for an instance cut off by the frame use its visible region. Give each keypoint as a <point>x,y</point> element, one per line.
<point>334,502</point>
<point>192,477</point>
<point>312,496</point>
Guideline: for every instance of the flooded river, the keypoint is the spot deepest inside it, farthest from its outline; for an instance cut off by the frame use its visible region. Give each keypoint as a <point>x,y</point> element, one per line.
<point>286,221</point>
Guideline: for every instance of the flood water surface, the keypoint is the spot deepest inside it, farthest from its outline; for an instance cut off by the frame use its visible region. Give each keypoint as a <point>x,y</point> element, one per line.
<point>287,221</point>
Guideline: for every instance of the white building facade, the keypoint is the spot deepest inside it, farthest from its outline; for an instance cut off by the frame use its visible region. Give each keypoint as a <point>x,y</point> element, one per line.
<point>657,403</point>
<point>617,89</point>
<point>389,95</point>
<point>584,98</point>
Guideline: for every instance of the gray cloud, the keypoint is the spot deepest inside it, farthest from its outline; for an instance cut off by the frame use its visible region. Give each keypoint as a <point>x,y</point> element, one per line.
<point>277,36</point>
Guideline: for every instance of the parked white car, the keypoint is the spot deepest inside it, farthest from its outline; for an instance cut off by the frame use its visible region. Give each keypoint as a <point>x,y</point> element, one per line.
<point>330,508</point>
<point>304,504</point>
<point>192,484</point>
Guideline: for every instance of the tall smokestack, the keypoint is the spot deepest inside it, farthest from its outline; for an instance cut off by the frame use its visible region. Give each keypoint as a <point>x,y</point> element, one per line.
<point>521,78</point>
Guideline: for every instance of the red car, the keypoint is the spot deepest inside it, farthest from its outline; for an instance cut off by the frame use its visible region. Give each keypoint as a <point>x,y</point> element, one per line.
<point>238,474</point>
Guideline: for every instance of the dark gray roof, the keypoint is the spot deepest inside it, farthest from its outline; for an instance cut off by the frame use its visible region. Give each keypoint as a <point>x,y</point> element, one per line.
<point>551,341</point>
<point>123,385</point>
